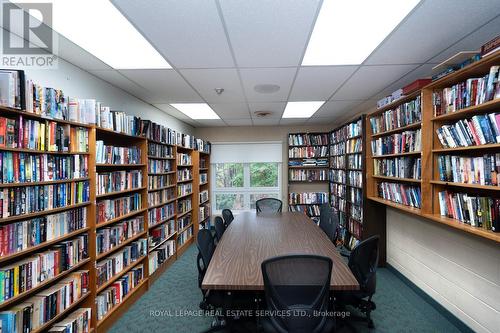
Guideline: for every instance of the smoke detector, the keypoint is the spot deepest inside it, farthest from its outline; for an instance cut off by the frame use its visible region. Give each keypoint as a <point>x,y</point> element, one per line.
<point>262,114</point>
<point>266,88</point>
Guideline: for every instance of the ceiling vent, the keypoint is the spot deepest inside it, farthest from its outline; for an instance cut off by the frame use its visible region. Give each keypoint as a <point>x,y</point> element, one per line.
<point>266,88</point>
<point>262,114</point>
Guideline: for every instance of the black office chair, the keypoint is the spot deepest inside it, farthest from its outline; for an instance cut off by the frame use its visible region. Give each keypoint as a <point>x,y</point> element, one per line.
<point>363,263</point>
<point>326,221</point>
<point>300,284</point>
<point>211,299</point>
<point>270,205</point>
<point>219,228</point>
<point>227,214</point>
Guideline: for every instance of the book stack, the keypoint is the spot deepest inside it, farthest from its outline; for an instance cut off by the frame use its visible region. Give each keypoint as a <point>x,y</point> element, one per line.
<point>110,209</point>
<point>308,152</point>
<point>355,179</point>
<point>308,139</point>
<point>307,198</point>
<point>473,91</point>
<point>311,211</point>
<point>106,154</point>
<point>118,291</point>
<point>158,234</point>
<point>156,198</point>
<point>403,194</point>
<point>482,212</point>
<point>116,181</point>
<point>120,122</point>
<point>337,176</point>
<point>307,175</point>
<point>160,166</point>
<point>202,146</point>
<point>19,236</point>
<point>184,222</point>
<point>403,115</point>
<point>354,161</point>
<point>184,206</point>
<point>482,170</point>
<point>184,159</point>
<point>308,162</point>
<point>204,213</point>
<point>12,88</point>
<point>405,142</point>
<point>158,215</point>
<point>77,322</point>
<point>203,178</point>
<point>478,130</point>
<point>354,145</point>
<point>184,175</point>
<point>116,263</point>
<point>203,196</point>
<point>160,133</point>
<point>401,167</point>
<point>184,236</point>
<point>161,254</point>
<point>184,189</point>
<point>354,129</point>
<point>160,150</point>
<point>338,162</point>
<point>108,238</point>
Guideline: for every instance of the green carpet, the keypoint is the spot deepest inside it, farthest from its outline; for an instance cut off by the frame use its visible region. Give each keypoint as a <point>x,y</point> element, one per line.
<point>165,307</point>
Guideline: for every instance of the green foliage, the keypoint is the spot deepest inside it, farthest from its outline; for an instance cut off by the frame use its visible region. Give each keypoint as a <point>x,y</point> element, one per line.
<point>229,175</point>
<point>264,174</point>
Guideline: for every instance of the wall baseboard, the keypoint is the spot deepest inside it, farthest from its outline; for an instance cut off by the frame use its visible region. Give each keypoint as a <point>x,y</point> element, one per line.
<point>460,325</point>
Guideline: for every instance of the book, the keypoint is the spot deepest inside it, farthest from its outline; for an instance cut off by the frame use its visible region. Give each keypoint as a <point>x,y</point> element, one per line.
<point>108,182</point>
<point>308,139</point>
<point>158,215</point>
<point>481,170</point>
<point>78,322</point>
<point>401,167</point>
<point>161,254</point>
<point>162,196</point>
<point>307,175</point>
<point>308,152</point>
<point>405,142</point>
<point>307,198</point>
<point>184,159</point>
<point>160,150</point>
<point>109,209</point>
<point>184,205</point>
<point>403,194</point>
<point>107,154</point>
<point>403,115</point>
<point>112,236</point>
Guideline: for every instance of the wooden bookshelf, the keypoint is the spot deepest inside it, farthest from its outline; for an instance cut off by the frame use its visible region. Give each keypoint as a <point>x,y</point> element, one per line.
<point>203,216</point>
<point>313,178</point>
<point>185,233</point>
<point>359,218</point>
<point>430,183</point>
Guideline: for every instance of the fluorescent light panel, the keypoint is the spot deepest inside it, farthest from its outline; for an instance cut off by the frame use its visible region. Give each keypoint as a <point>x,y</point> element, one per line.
<point>301,109</point>
<point>98,27</point>
<point>346,32</point>
<point>196,110</point>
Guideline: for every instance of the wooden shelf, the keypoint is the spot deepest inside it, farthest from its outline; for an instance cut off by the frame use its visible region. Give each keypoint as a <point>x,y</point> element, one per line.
<point>185,181</point>
<point>398,179</point>
<point>205,183</point>
<point>481,147</point>
<point>184,213</point>
<point>203,169</point>
<point>307,167</point>
<point>104,195</point>
<point>24,252</point>
<point>185,148</point>
<point>184,165</point>
<point>48,182</point>
<point>185,228</point>
<point>470,111</point>
<point>308,181</point>
<point>6,304</point>
<point>121,245</point>
<point>161,173</point>
<point>120,274</point>
<point>162,242</point>
<point>464,185</point>
<point>161,188</point>
<point>119,218</point>
<point>160,158</point>
<point>161,222</point>
<point>160,142</point>
<point>184,196</point>
<point>204,202</point>
<point>396,155</point>
<point>159,271</point>
<point>292,146</point>
<point>396,103</point>
<point>396,130</point>
<point>186,243</point>
<point>25,114</point>
<point>205,219</point>
<point>161,204</point>
<point>105,131</point>
<point>6,220</point>
<point>110,165</point>
<point>37,151</point>
<point>402,207</point>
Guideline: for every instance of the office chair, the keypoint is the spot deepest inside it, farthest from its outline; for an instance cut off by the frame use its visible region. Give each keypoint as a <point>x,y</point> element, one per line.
<point>326,221</point>
<point>219,228</point>
<point>211,299</point>
<point>227,214</point>
<point>299,284</point>
<point>363,263</point>
<point>269,205</point>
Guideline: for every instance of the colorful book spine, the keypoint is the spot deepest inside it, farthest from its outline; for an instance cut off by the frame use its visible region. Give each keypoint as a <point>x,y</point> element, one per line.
<point>403,194</point>
<point>106,154</point>
<point>110,237</point>
<point>110,209</point>
<point>403,115</point>
<point>401,167</point>
<point>108,182</point>
<point>160,214</point>
<point>405,142</point>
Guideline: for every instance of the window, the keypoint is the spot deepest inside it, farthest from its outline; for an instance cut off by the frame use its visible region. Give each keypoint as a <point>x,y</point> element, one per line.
<point>240,178</point>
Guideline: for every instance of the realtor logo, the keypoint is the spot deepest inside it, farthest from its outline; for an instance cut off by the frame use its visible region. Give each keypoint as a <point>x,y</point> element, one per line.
<point>27,37</point>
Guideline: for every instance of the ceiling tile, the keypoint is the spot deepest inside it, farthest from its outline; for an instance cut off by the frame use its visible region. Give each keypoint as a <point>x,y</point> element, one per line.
<point>282,77</point>
<point>294,121</point>
<point>266,121</point>
<point>332,109</point>
<point>319,83</point>
<point>472,42</point>
<point>167,108</point>
<point>239,122</point>
<point>276,109</point>
<point>74,54</point>
<point>269,33</point>
<point>431,27</point>
<point>165,85</point>
<point>231,110</point>
<point>189,33</point>
<point>210,123</point>
<point>320,120</point>
<point>369,80</point>
<point>206,80</point>
<point>118,80</point>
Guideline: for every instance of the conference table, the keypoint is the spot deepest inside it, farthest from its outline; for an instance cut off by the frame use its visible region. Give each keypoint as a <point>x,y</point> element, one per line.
<point>253,237</point>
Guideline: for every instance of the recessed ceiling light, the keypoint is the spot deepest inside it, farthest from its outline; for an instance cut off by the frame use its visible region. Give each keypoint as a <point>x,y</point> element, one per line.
<point>346,32</point>
<point>266,88</point>
<point>301,109</point>
<point>98,27</point>
<point>196,110</point>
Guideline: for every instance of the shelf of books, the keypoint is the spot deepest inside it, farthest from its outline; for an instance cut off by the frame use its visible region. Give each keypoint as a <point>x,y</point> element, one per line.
<point>45,199</point>
<point>121,225</point>
<point>186,194</point>
<point>162,195</point>
<point>307,172</point>
<point>202,176</point>
<point>444,163</point>
<point>358,219</point>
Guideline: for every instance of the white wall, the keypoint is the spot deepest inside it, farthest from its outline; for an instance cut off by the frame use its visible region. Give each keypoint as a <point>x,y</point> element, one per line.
<point>459,270</point>
<point>75,82</point>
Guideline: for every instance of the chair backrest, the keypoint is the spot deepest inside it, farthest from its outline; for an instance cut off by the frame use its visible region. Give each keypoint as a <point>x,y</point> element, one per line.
<point>326,220</point>
<point>227,214</point>
<point>219,227</point>
<point>297,282</point>
<point>206,247</point>
<point>270,205</point>
<point>363,263</point>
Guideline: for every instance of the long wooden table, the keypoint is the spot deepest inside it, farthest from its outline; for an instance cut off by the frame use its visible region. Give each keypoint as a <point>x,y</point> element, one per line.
<point>251,238</point>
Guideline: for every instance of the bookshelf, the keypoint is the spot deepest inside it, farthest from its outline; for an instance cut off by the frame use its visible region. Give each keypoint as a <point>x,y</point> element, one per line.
<point>202,176</point>
<point>439,185</point>
<point>59,195</point>
<point>186,198</point>
<point>307,172</point>
<point>358,217</point>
